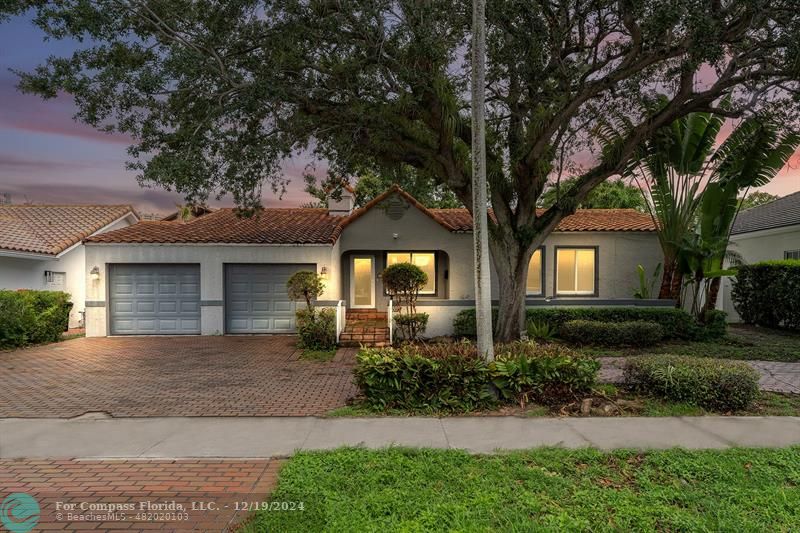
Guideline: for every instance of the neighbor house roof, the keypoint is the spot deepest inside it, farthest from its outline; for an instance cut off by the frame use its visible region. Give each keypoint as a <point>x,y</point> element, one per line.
<point>317,226</point>
<point>776,214</point>
<point>268,226</point>
<point>51,229</point>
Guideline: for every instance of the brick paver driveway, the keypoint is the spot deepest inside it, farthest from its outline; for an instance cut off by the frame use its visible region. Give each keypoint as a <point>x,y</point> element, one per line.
<point>149,494</point>
<point>171,376</point>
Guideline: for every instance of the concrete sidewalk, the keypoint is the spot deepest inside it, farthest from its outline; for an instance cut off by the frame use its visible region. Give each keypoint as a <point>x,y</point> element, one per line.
<point>278,436</point>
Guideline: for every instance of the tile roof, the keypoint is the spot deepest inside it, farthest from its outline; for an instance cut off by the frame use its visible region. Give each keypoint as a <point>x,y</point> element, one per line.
<point>269,226</point>
<point>316,226</point>
<point>460,220</point>
<point>776,214</point>
<point>51,229</point>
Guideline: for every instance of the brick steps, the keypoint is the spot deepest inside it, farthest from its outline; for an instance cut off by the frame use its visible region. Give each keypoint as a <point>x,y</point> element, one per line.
<point>365,327</point>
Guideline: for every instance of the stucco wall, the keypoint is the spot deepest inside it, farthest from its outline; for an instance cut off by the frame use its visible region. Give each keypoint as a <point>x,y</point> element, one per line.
<point>211,259</point>
<point>754,247</point>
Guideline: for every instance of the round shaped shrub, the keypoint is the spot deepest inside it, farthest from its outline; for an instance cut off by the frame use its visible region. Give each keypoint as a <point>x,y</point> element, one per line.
<point>715,384</point>
<point>305,285</point>
<point>595,332</point>
<point>403,279</point>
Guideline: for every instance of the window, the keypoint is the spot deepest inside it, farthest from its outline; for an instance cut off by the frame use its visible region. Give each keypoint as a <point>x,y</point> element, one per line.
<point>424,260</point>
<point>535,280</point>
<point>791,254</point>
<point>576,270</point>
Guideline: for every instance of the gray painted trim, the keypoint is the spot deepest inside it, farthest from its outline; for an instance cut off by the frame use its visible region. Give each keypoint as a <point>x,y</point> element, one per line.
<point>327,303</point>
<point>212,303</point>
<point>558,302</point>
<point>95,303</point>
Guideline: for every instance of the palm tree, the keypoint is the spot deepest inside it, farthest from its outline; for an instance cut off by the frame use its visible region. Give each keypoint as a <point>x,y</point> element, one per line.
<point>672,168</point>
<point>483,288</point>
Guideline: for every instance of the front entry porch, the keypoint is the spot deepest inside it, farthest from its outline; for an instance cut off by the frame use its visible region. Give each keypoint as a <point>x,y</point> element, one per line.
<point>365,327</point>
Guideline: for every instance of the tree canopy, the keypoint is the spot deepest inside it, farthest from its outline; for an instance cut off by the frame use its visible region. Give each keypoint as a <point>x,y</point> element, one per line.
<point>611,194</point>
<point>216,95</point>
<point>754,199</point>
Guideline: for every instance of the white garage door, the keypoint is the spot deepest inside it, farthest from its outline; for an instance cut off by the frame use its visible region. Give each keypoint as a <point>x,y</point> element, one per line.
<point>154,299</point>
<point>256,300</point>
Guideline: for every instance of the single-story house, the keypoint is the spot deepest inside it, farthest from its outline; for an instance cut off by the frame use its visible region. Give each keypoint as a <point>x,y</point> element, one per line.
<point>762,233</point>
<point>222,274</point>
<point>40,246</point>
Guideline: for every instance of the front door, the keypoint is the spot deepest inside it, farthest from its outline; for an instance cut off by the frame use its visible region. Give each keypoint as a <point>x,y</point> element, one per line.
<point>362,282</point>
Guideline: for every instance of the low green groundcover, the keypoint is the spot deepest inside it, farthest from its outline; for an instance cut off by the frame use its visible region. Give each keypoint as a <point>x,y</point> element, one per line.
<point>540,490</point>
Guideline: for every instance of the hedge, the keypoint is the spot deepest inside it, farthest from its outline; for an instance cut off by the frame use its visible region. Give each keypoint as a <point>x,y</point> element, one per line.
<point>677,323</point>
<point>32,317</point>
<point>453,377</point>
<point>711,383</point>
<point>595,332</point>
<point>766,293</point>
<point>316,329</point>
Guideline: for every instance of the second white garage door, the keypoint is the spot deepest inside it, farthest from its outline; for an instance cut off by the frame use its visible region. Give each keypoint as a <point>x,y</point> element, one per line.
<point>256,299</point>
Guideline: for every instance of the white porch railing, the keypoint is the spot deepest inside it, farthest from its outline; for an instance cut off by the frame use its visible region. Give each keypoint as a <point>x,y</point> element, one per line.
<point>341,318</point>
<point>390,321</point>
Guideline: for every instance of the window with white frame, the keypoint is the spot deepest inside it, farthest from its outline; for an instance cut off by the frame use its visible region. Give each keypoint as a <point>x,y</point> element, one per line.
<point>576,271</point>
<point>426,261</point>
<point>791,254</point>
<point>534,285</point>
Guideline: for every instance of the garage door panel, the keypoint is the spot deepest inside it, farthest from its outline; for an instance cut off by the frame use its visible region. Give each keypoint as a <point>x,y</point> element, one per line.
<point>152,299</point>
<point>256,300</point>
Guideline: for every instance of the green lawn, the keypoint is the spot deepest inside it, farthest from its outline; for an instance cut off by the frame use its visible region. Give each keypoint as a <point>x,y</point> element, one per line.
<point>356,490</point>
<point>742,342</point>
<point>318,355</point>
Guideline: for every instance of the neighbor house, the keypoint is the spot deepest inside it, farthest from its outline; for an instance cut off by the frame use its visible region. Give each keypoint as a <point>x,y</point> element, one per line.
<point>222,274</point>
<point>40,246</point>
<point>762,233</point>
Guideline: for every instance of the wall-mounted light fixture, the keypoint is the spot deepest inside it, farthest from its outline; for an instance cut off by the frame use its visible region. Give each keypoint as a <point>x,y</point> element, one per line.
<point>395,236</point>
<point>323,272</point>
<point>95,273</point>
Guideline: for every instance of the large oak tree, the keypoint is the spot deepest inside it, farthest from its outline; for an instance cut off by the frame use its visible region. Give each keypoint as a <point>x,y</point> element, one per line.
<point>217,93</point>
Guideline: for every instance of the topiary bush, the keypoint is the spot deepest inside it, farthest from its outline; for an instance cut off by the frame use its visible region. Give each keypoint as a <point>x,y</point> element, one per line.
<point>526,371</point>
<point>676,323</point>
<point>316,329</point>
<point>403,281</point>
<point>305,285</point>
<point>594,332</point>
<point>765,293</point>
<point>453,377</point>
<point>32,317</point>
<point>714,384</point>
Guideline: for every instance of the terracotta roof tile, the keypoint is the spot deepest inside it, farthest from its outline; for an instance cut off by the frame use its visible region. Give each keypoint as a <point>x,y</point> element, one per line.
<point>269,226</point>
<point>51,229</point>
<point>582,220</point>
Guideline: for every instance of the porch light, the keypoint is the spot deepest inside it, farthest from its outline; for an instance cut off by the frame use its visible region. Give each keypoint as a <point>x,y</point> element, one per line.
<point>95,273</point>
<point>323,272</point>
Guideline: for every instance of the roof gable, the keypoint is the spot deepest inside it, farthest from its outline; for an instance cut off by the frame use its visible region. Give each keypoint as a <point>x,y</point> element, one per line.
<point>51,229</point>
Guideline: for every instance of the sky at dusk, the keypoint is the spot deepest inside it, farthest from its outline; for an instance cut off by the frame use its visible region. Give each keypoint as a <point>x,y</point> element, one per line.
<point>47,157</point>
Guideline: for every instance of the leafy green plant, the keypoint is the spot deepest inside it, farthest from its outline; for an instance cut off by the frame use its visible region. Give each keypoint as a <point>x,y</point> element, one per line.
<point>647,287</point>
<point>710,383</point>
<point>765,293</point>
<point>316,329</point>
<point>32,317</point>
<point>595,332</point>
<point>525,371</point>
<point>539,330</point>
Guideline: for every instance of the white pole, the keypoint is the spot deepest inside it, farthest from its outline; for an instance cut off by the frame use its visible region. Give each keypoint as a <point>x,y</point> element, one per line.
<point>483,286</point>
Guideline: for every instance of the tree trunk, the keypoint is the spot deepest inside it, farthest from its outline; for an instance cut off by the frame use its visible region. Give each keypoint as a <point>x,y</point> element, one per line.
<point>713,294</point>
<point>671,283</point>
<point>511,260</point>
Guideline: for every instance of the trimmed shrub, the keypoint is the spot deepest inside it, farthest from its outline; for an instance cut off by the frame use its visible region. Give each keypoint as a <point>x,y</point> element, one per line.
<point>415,324</point>
<point>714,384</point>
<point>403,281</point>
<point>316,329</point>
<point>594,332</point>
<point>32,317</point>
<point>526,371</point>
<point>453,377</point>
<point>305,285</point>
<point>437,377</point>
<point>766,293</point>
<point>677,323</point>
